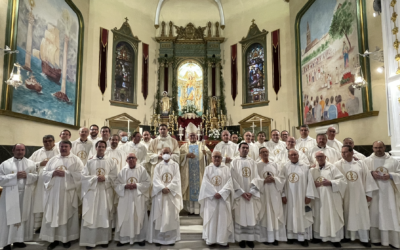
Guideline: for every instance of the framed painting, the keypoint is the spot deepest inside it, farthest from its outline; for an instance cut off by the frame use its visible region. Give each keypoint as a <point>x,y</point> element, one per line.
<point>48,35</point>
<point>329,37</point>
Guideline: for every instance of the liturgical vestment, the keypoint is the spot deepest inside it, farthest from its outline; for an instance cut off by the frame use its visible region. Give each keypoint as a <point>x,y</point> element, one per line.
<point>283,157</point>
<point>16,201</point>
<point>118,156</point>
<point>304,145</point>
<point>327,204</point>
<point>139,150</point>
<point>385,209</point>
<point>97,201</point>
<point>155,147</point>
<point>246,213</point>
<point>61,199</point>
<point>299,220</point>
<point>228,149</point>
<point>332,155</point>
<point>82,149</point>
<point>359,185</point>
<point>164,224</point>
<point>336,144</point>
<point>38,156</point>
<point>218,226</point>
<point>192,171</point>
<point>272,223</point>
<point>132,222</point>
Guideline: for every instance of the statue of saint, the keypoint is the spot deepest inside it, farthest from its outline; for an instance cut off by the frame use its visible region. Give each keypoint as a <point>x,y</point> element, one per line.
<point>213,105</point>
<point>165,103</point>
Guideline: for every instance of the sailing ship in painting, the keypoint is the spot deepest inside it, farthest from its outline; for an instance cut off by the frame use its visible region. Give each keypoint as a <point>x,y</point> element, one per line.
<point>32,84</point>
<point>50,54</point>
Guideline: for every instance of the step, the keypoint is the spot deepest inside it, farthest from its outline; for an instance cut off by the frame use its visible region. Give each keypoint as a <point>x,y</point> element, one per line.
<point>191,232</point>
<point>190,220</point>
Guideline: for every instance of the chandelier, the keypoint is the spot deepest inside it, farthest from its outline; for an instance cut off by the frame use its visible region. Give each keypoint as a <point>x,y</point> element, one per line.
<point>15,79</point>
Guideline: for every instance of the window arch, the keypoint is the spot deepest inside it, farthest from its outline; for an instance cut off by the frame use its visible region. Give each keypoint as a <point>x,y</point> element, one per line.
<point>255,87</point>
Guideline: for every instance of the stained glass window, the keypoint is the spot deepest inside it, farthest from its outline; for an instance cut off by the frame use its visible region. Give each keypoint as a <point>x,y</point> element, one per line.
<point>255,74</point>
<point>123,80</point>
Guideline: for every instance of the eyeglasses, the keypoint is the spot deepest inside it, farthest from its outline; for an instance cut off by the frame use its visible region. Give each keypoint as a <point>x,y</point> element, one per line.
<point>217,157</point>
<point>131,158</point>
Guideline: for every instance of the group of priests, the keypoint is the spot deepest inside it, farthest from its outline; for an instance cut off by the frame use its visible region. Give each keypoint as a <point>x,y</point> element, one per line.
<point>284,189</point>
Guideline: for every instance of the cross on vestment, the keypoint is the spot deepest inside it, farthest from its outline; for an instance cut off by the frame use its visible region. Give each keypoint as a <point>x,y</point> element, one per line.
<point>253,126</point>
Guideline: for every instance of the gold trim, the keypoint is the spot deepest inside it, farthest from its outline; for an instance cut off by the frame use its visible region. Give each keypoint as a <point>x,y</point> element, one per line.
<point>254,104</point>
<point>36,119</point>
<point>343,119</point>
<point>124,103</point>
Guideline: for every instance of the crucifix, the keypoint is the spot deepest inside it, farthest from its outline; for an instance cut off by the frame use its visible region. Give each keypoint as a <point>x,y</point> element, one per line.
<point>253,126</point>
<point>126,19</point>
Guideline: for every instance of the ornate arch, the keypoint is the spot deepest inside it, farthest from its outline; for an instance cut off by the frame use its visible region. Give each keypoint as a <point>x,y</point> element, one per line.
<point>219,5</point>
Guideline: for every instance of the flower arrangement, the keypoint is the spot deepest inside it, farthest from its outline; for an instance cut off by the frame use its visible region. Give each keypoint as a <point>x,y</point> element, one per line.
<point>189,108</point>
<point>214,134</point>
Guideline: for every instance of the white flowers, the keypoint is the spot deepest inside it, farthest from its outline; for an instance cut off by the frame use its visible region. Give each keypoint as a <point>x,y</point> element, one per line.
<point>214,133</point>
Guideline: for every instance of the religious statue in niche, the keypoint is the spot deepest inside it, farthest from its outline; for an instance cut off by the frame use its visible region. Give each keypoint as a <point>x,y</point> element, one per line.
<point>190,88</point>
<point>165,103</point>
<point>255,69</point>
<point>123,85</point>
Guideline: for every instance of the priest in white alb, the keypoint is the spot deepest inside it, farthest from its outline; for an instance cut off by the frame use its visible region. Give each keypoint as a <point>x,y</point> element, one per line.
<point>247,204</point>
<point>65,135</point>
<point>123,138</point>
<point>105,133</point>
<point>384,209</point>
<point>62,195</point>
<point>332,141</point>
<point>94,131</point>
<point>360,185</point>
<point>275,146</point>
<point>216,197</point>
<point>305,142</point>
<point>134,146</point>
<point>261,137</point>
<point>195,156</point>
<point>331,154</point>
<point>116,153</point>
<point>157,144</point>
<point>283,155</point>
<point>356,155</point>
<point>82,146</point>
<point>253,149</point>
<point>228,149</point>
<point>164,223</point>
<point>18,178</point>
<point>326,187</point>
<point>132,187</point>
<point>272,223</point>
<point>41,157</point>
<point>98,179</point>
<point>146,140</point>
<point>298,213</point>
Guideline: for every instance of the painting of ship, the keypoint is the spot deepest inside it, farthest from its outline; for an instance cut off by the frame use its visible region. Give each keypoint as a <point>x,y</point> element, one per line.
<point>50,54</point>
<point>32,84</point>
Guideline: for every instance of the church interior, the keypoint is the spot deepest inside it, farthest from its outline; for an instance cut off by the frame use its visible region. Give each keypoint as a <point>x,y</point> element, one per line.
<point>209,65</point>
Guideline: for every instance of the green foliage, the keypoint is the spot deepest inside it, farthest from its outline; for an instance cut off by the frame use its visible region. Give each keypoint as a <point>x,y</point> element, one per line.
<point>342,22</point>
<point>222,88</point>
<point>315,53</point>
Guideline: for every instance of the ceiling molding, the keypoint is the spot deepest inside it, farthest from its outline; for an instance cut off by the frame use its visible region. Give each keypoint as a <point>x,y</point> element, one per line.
<point>160,4</point>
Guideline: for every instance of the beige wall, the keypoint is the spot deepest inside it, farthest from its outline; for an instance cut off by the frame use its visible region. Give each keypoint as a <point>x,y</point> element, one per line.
<point>269,15</point>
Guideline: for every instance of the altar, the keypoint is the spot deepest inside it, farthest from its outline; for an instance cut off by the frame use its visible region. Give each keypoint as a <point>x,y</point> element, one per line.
<point>190,88</point>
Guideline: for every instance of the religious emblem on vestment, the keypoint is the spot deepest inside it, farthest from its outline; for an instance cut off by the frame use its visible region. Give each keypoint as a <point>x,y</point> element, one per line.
<point>100,171</point>
<point>115,161</point>
<point>246,172</point>
<point>383,170</point>
<point>63,168</point>
<point>267,173</point>
<point>293,177</point>
<point>304,149</point>
<point>320,179</point>
<point>47,159</point>
<point>12,172</point>
<point>166,178</point>
<point>327,158</point>
<point>82,154</point>
<point>131,180</point>
<point>351,176</point>
<point>216,180</point>
<point>276,151</point>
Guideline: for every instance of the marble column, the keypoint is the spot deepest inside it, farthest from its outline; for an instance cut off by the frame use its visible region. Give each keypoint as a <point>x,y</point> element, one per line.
<point>392,79</point>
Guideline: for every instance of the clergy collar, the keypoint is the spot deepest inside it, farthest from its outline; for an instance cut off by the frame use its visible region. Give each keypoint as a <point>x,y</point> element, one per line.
<point>134,167</point>
<point>16,159</point>
<point>243,158</point>
<point>324,166</point>
<point>217,166</point>
<point>321,147</point>
<point>100,158</point>
<point>66,155</point>
<point>83,141</point>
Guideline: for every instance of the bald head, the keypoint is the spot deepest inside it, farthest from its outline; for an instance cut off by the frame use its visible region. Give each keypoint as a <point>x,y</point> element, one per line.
<point>321,158</point>
<point>247,136</point>
<point>131,160</point>
<point>379,148</point>
<point>331,133</point>
<point>19,150</point>
<point>216,158</point>
<point>290,142</point>
<point>83,133</point>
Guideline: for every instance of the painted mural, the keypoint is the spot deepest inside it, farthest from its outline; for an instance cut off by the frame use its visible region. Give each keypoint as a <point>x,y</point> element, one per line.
<point>47,41</point>
<point>329,60</point>
<point>190,88</point>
